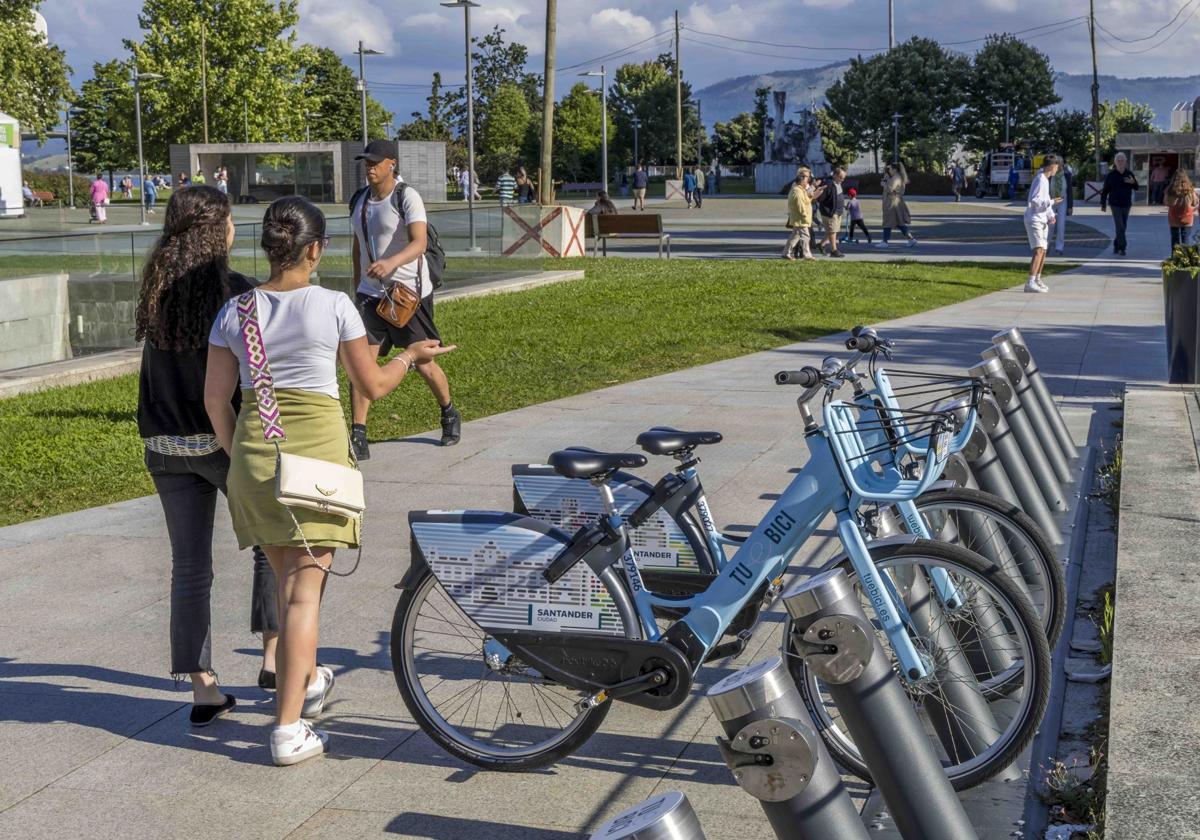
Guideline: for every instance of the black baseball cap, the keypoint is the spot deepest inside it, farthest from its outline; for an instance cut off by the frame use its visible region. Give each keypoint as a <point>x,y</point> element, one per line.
<point>378,150</point>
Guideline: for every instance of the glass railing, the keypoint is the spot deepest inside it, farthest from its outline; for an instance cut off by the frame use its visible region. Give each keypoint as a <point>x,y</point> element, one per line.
<point>74,294</point>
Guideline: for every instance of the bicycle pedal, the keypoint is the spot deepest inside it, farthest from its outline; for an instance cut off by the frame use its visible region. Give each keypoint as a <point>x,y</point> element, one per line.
<point>653,679</point>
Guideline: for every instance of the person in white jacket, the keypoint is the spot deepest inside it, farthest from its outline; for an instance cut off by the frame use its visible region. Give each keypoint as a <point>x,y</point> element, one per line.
<point>1039,217</point>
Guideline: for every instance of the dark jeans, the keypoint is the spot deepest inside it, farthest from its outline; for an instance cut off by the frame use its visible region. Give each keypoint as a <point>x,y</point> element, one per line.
<point>856,223</point>
<point>1180,236</point>
<point>187,488</point>
<point>1158,191</point>
<point>698,196</point>
<point>1120,222</point>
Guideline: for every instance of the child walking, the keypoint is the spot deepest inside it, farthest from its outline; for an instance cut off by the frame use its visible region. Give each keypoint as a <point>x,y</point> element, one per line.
<point>856,217</point>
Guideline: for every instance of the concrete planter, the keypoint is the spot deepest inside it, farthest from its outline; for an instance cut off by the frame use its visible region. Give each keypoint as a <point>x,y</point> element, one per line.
<point>1181,306</point>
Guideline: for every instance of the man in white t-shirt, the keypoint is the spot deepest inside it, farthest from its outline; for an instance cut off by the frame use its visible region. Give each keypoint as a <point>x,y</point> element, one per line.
<point>388,220</point>
<point>1039,216</point>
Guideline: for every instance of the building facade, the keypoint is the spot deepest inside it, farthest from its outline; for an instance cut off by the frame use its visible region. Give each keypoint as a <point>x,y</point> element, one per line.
<point>322,172</point>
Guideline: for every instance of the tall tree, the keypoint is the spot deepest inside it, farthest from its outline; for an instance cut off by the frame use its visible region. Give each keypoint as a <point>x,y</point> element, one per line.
<point>924,84</point>
<point>760,113</point>
<point>1123,116</point>
<point>494,63</point>
<point>647,91</point>
<point>253,66</point>
<point>33,74</point>
<point>860,104</point>
<point>836,142</point>
<point>1006,69</point>
<point>577,135</point>
<point>505,128</point>
<point>738,141</point>
<point>1068,133</point>
<point>330,89</point>
<point>102,124</point>
<point>435,124</point>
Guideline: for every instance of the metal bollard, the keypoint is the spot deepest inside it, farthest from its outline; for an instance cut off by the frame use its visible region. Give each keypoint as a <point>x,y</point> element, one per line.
<point>667,816</point>
<point>1022,434</point>
<point>1004,351</point>
<point>984,464</point>
<point>876,710</point>
<point>1050,408</point>
<point>777,758</point>
<point>1011,463</point>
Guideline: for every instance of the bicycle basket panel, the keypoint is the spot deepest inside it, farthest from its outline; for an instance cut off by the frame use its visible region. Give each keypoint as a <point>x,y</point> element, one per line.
<point>570,503</point>
<point>491,566</point>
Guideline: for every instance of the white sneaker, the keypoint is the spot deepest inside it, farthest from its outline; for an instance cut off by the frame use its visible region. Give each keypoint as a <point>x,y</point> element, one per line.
<point>292,749</point>
<point>1033,287</point>
<point>318,692</point>
<point>912,242</point>
<point>883,244</point>
<point>1042,285</point>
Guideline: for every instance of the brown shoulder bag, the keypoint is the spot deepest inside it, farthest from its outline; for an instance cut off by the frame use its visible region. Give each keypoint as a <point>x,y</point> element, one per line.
<point>399,303</point>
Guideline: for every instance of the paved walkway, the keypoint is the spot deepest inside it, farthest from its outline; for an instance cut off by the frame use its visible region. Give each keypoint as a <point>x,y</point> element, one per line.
<point>96,740</point>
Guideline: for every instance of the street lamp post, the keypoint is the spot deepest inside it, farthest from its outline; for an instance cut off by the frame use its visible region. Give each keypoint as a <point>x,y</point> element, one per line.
<point>137,107</point>
<point>362,87</point>
<point>308,116</point>
<point>1007,118</point>
<point>70,160</point>
<point>466,6</point>
<point>603,121</point>
<point>895,137</point>
<point>636,123</point>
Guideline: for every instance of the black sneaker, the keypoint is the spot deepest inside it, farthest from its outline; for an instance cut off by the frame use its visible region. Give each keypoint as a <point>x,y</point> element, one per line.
<point>266,679</point>
<point>451,427</point>
<point>358,442</point>
<point>203,715</point>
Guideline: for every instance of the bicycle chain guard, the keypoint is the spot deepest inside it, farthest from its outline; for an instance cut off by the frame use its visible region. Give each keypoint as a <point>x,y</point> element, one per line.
<point>772,759</point>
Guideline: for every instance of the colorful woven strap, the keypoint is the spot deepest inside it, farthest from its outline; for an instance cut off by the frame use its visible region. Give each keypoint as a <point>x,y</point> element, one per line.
<point>260,368</point>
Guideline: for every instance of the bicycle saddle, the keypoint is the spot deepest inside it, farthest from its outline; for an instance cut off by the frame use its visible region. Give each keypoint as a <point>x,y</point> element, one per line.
<point>663,440</point>
<point>581,462</point>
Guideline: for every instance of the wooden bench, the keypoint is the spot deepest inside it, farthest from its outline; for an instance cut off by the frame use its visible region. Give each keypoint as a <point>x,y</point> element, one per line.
<point>41,197</point>
<point>582,186</point>
<point>607,226</point>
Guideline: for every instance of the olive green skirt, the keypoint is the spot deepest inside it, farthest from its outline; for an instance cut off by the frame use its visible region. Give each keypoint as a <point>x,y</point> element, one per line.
<point>315,428</point>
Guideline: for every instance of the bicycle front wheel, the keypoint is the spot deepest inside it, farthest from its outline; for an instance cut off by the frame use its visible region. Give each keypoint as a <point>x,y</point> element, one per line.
<point>991,637</point>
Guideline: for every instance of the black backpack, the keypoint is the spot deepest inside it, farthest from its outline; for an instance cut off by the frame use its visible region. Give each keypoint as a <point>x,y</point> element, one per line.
<point>435,255</point>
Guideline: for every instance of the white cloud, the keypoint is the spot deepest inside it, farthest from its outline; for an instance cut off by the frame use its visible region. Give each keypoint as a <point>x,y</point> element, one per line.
<point>620,23</point>
<point>341,24</point>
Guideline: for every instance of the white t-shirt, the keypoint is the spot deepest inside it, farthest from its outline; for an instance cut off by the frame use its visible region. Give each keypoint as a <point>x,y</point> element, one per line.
<point>1040,209</point>
<point>302,330</point>
<point>389,236</point>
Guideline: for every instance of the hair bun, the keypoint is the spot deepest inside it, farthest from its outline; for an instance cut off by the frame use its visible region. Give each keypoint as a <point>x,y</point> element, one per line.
<point>291,223</point>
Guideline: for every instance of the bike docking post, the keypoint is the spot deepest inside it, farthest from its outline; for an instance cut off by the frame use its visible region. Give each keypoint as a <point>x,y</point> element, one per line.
<point>667,816</point>
<point>1050,408</point>
<point>832,633</point>
<point>778,759</point>
<point>1024,440</point>
<point>1032,407</point>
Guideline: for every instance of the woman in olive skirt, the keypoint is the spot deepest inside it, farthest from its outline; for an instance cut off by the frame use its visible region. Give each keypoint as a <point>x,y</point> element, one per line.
<point>305,330</point>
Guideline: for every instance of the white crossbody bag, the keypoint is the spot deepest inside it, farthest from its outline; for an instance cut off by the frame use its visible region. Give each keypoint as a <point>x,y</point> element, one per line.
<point>311,483</point>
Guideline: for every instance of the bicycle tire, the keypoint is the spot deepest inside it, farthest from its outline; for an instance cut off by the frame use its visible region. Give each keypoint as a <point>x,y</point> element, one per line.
<point>408,610</point>
<point>1023,725</point>
<point>1052,605</point>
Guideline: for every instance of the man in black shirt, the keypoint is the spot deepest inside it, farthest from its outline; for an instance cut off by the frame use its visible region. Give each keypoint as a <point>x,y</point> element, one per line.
<point>1119,187</point>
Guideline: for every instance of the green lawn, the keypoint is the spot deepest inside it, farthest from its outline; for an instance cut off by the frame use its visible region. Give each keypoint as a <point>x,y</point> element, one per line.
<point>77,447</point>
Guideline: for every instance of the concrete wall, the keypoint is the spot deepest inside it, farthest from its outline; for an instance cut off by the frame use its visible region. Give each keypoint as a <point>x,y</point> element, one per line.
<point>33,321</point>
<point>102,308</point>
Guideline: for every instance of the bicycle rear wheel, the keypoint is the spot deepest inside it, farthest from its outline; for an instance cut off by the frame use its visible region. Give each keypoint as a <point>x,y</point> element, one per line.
<point>498,715</point>
<point>972,748</point>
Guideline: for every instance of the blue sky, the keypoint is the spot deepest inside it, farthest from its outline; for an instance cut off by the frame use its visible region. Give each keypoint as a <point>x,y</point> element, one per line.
<point>418,36</point>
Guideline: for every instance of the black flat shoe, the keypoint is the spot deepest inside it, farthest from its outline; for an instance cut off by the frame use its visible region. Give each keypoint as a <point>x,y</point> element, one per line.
<point>204,714</point>
<point>266,679</point>
<point>451,427</point>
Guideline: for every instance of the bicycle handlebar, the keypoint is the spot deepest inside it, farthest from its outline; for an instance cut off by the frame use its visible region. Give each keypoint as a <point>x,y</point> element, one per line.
<point>807,377</point>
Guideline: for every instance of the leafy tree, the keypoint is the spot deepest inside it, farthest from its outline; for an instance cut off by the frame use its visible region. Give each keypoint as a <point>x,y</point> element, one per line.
<point>436,124</point>
<point>860,104</point>
<point>835,140</point>
<point>103,134</point>
<point>33,74</point>
<point>505,127</point>
<point>253,69</point>
<point>738,141</point>
<point>647,91</point>
<point>331,89</point>
<point>1068,133</point>
<point>924,83</point>
<point>495,63</point>
<point>1123,117</point>
<point>1006,69</point>
<point>760,113</point>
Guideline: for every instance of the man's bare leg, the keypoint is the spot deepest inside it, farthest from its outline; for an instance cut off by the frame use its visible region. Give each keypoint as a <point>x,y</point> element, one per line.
<point>359,407</point>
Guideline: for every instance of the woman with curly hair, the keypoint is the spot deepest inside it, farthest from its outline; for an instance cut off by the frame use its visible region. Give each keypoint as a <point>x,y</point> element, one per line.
<point>1181,208</point>
<point>185,282</point>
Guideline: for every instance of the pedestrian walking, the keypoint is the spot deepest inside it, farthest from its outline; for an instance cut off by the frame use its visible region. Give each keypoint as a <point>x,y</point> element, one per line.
<point>1014,181</point>
<point>1181,208</point>
<point>185,281</point>
<point>1160,175</point>
<point>854,211</point>
<point>710,180</point>
<point>468,182</point>
<point>895,209</point>
<point>1060,187</point>
<point>699,197</point>
<point>149,194</point>
<point>640,182</point>
<point>390,240</point>
<point>525,187</point>
<point>127,188</point>
<point>100,199</point>
<point>1117,193</point>
<point>222,177</point>
<point>506,188</point>
<point>294,334</point>
<point>831,205</point>
<point>799,220</point>
<point>1039,216</point>
<point>689,186</point>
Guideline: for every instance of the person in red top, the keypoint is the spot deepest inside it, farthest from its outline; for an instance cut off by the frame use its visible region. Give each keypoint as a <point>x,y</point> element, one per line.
<point>1181,208</point>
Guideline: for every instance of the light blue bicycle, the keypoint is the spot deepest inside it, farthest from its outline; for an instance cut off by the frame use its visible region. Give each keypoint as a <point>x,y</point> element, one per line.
<point>511,638</point>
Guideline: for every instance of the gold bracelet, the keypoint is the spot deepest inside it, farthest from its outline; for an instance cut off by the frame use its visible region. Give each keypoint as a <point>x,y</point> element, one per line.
<point>409,362</point>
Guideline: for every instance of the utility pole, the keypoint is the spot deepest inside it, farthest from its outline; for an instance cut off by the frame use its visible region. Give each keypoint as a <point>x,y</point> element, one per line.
<point>545,170</point>
<point>362,90</point>
<point>699,136</point>
<point>70,160</point>
<point>678,104</point>
<point>891,24</point>
<point>636,123</point>
<point>1095,85</point>
<point>203,81</point>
